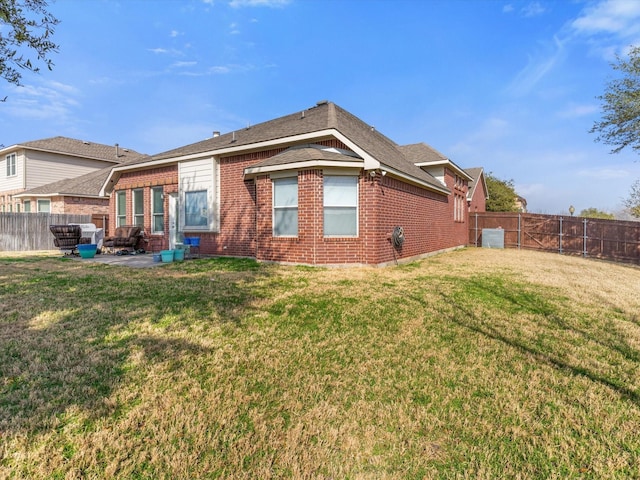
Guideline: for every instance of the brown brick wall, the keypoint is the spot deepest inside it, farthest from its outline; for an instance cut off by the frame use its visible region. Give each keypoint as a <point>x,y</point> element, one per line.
<point>246,216</point>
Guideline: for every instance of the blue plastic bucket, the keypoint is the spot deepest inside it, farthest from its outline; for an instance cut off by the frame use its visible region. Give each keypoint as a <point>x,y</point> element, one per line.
<point>167,256</point>
<point>87,250</point>
<point>178,255</point>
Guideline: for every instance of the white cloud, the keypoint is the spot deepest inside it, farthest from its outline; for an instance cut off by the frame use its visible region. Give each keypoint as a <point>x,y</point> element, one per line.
<point>533,9</point>
<point>508,8</point>
<point>174,33</point>
<point>48,101</point>
<point>537,68</point>
<point>259,3</point>
<point>576,111</point>
<point>610,26</point>
<point>183,64</point>
<point>164,51</point>
<point>604,173</point>
<point>619,17</point>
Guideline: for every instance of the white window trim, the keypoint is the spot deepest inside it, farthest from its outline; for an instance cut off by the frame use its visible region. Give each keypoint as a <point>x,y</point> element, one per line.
<point>134,204</point>
<point>155,214</point>
<point>195,176</point>
<point>279,176</point>
<point>12,164</point>
<point>43,201</point>
<point>121,194</point>
<point>342,173</point>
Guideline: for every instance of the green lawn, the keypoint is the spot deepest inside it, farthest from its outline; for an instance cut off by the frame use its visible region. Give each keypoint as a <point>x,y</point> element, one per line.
<point>473,364</point>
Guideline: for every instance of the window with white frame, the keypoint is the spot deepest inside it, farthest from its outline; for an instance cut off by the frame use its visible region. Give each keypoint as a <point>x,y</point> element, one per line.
<point>27,206</point>
<point>44,206</point>
<point>11,165</point>
<point>196,209</point>
<point>121,208</point>
<point>198,195</point>
<point>340,206</point>
<point>285,207</point>
<point>157,210</point>
<point>138,207</point>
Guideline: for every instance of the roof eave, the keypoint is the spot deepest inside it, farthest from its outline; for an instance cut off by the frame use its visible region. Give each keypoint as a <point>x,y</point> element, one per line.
<point>252,172</point>
<point>416,181</point>
<point>448,163</point>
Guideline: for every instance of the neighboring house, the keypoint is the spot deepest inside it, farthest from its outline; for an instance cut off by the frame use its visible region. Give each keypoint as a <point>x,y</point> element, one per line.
<point>79,195</point>
<point>478,192</point>
<point>521,204</point>
<point>29,166</point>
<point>316,187</point>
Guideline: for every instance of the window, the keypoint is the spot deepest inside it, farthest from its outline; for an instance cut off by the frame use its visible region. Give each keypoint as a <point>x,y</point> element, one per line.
<point>121,208</point>
<point>11,165</point>
<point>458,208</point>
<point>340,206</point>
<point>157,208</point>
<point>198,207</point>
<point>138,207</point>
<point>18,207</point>
<point>285,207</point>
<point>27,206</point>
<point>196,212</point>
<point>44,206</point>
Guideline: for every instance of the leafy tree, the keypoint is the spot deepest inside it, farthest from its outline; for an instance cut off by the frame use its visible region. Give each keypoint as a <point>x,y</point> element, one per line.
<point>30,27</point>
<point>502,195</point>
<point>595,213</point>
<point>633,201</point>
<point>620,124</point>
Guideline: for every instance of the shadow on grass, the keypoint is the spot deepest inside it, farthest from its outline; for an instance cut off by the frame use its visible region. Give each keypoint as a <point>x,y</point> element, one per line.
<point>514,298</point>
<point>68,331</point>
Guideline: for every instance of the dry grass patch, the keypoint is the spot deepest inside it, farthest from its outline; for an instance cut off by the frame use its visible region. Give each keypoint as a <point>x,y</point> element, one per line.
<point>478,363</point>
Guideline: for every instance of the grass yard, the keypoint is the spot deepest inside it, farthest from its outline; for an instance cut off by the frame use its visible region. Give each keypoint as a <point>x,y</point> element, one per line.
<point>473,364</point>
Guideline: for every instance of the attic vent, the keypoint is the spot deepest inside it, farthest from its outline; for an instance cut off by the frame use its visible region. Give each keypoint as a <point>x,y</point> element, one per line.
<point>322,102</point>
<point>216,133</point>
<point>85,142</point>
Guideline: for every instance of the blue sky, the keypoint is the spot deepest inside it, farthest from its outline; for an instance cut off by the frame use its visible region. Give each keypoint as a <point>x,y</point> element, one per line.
<point>507,85</point>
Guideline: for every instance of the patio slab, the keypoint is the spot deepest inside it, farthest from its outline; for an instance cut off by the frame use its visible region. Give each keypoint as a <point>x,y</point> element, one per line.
<point>140,260</point>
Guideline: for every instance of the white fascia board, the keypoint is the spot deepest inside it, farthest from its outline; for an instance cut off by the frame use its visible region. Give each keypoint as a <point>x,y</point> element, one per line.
<point>57,194</point>
<point>446,163</point>
<point>10,149</point>
<point>408,178</point>
<point>251,172</point>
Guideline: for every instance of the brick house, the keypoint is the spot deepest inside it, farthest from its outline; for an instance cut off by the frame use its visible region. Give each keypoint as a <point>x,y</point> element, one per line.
<point>57,175</point>
<point>318,187</point>
<point>478,192</point>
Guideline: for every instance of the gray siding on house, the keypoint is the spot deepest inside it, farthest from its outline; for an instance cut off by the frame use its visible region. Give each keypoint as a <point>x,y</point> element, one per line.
<point>43,168</point>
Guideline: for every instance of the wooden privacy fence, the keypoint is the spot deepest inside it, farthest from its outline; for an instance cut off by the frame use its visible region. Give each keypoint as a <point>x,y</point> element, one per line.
<point>21,232</point>
<point>615,240</point>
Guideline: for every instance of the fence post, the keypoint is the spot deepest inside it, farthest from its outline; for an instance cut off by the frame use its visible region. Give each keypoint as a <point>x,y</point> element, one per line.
<point>476,232</point>
<point>560,236</point>
<point>519,229</point>
<point>584,236</point>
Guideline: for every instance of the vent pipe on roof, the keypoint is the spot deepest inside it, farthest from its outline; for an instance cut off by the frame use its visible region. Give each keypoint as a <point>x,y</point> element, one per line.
<point>216,133</point>
<point>117,151</point>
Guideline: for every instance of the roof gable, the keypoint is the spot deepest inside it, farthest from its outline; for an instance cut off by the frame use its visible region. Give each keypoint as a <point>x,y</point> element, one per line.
<point>323,121</point>
<point>79,148</point>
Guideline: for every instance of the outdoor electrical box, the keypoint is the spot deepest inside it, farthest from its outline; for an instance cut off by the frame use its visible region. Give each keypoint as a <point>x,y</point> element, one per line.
<point>492,238</point>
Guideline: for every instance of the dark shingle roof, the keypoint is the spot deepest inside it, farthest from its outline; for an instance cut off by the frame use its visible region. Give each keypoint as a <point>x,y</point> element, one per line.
<point>79,148</point>
<point>305,153</point>
<point>422,153</point>
<point>324,116</point>
<point>474,173</point>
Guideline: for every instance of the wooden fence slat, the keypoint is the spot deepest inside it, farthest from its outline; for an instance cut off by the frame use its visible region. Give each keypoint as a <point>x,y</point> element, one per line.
<point>22,232</point>
<point>616,240</point>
